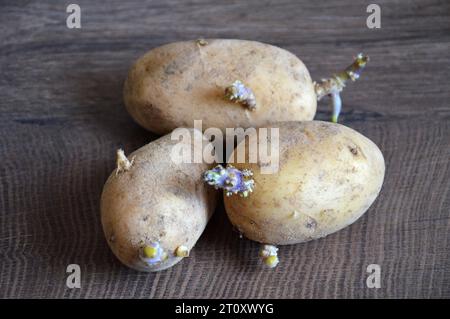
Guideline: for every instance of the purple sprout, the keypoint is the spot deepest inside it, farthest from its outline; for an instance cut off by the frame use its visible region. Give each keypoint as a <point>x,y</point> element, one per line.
<point>230,179</point>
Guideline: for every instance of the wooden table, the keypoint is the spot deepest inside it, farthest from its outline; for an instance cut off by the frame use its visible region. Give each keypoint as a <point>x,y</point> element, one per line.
<point>62,118</point>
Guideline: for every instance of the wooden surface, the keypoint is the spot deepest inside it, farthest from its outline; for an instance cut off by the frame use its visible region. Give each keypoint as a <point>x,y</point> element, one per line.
<point>62,118</point>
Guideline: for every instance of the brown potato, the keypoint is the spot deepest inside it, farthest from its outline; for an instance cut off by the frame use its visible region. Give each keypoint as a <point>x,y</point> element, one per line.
<point>328,176</point>
<point>153,210</point>
<point>175,84</point>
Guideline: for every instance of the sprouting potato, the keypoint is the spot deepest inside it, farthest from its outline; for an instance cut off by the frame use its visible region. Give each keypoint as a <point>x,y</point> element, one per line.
<point>328,177</point>
<point>175,84</point>
<point>153,210</point>
<point>226,84</point>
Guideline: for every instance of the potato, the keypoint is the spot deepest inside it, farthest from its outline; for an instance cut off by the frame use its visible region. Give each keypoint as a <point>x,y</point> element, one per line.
<point>328,176</point>
<point>175,84</point>
<point>153,210</point>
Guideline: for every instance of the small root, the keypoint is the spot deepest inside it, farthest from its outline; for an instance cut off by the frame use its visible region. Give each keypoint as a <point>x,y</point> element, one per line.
<point>334,85</point>
<point>230,179</point>
<point>201,42</point>
<point>182,251</point>
<point>152,253</point>
<point>269,255</point>
<point>239,93</point>
<point>122,162</point>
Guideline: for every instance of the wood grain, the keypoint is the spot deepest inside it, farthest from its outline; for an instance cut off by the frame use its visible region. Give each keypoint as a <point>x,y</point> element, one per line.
<point>62,118</point>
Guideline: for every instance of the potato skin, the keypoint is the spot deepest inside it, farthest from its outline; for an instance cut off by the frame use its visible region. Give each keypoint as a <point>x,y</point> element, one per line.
<point>175,84</point>
<point>156,200</point>
<point>328,177</point>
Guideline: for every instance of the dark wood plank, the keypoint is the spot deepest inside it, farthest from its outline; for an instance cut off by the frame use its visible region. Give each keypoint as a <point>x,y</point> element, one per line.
<point>62,117</point>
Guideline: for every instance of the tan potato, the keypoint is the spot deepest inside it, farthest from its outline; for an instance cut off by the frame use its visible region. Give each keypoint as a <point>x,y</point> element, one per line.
<point>175,84</point>
<point>328,176</point>
<point>153,210</point>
